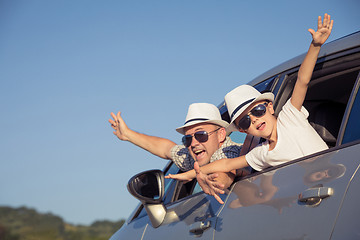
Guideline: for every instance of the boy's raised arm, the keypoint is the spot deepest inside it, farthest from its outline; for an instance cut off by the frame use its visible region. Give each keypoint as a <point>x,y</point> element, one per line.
<point>307,67</point>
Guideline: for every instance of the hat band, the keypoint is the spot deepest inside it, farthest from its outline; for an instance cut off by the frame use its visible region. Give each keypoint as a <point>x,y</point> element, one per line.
<point>196,119</point>
<point>240,106</point>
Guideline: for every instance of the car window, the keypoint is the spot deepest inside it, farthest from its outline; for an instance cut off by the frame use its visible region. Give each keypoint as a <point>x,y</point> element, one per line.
<point>266,85</point>
<point>352,131</point>
<point>328,94</point>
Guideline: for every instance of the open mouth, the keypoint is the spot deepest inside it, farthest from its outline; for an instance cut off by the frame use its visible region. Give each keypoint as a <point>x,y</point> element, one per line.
<point>261,126</point>
<point>198,153</point>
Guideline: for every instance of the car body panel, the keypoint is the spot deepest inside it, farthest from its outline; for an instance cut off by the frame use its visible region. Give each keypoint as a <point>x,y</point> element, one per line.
<point>293,219</point>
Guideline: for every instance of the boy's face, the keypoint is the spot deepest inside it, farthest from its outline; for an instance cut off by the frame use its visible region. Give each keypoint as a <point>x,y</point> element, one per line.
<point>263,126</point>
<point>202,151</point>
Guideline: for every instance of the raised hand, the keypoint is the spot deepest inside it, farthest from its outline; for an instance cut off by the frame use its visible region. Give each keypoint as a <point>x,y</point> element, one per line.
<point>120,127</point>
<point>323,30</point>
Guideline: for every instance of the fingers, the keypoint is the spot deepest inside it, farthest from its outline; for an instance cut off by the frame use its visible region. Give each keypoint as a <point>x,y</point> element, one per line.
<point>331,25</point>
<point>216,188</point>
<point>218,199</point>
<point>113,122</point>
<point>170,176</point>
<point>312,31</point>
<point>319,22</point>
<point>327,22</point>
<point>197,168</point>
<point>213,176</point>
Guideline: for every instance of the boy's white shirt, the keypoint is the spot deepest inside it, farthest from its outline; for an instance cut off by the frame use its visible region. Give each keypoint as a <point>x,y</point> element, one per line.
<point>296,138</point>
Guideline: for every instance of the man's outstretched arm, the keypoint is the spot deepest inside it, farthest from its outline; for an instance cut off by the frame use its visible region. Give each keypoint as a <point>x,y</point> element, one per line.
<point>158,146</point>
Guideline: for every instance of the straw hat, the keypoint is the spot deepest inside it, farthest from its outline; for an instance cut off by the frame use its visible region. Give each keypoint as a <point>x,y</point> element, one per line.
<point>202,113</point>
<point>242,97</point>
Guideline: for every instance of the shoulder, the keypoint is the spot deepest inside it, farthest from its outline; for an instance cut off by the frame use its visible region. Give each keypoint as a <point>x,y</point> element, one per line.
<point>178,150</point>
<point>292,114</point>
<point>228,149</point>
<point>181,157</point>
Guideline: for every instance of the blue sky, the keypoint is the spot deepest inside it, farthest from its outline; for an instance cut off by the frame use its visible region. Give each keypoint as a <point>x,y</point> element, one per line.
<point>65,65</point>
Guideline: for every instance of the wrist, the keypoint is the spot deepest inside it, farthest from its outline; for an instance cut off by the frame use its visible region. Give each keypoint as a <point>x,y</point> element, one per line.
<point>316,45</point>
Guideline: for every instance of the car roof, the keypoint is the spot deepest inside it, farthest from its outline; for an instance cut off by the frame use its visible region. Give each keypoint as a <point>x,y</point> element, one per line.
<point>338,45</point>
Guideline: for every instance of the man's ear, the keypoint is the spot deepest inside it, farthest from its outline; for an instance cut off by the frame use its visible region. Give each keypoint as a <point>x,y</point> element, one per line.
<point>222,134</point>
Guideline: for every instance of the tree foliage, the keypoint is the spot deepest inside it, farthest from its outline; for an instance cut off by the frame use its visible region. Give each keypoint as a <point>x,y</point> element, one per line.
<point>27,224</point>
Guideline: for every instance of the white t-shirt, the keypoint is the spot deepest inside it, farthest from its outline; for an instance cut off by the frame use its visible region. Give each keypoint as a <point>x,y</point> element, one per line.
<point>295,138</point>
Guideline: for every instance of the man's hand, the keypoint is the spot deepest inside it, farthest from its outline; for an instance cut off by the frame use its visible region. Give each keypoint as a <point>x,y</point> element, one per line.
<point>208,183</point>
<point>120,127</point>
<point>323,30</point>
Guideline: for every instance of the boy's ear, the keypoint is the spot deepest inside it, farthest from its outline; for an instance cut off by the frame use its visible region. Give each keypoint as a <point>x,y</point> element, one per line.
<point>242,131</point>
<point>271,108</point>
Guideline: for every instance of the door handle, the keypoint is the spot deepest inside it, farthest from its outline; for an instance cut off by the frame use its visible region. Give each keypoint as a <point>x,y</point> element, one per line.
<point>314,196</point>
<point>198,228</point>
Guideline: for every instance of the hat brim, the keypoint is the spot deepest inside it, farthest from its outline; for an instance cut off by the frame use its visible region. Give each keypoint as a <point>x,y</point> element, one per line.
<point>264,96</point>
<point>220,123</point>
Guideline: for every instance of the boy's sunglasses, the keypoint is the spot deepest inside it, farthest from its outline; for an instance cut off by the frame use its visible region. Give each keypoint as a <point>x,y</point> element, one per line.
<point>200,136</point>
<point>257,111</point>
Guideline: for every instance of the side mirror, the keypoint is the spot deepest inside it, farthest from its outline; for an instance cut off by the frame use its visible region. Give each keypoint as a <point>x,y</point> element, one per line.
<point>148,187</point>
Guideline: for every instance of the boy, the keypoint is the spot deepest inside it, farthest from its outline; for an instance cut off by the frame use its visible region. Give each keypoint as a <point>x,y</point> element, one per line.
<point>288,137</point>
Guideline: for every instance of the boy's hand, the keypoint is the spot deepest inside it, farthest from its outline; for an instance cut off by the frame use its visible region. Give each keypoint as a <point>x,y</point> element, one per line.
<point>181,176</point>
<point>323,30</point>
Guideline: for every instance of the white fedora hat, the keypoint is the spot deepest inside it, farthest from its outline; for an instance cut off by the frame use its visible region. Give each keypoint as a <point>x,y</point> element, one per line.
<point>202,113</point>
<point>241,98</point>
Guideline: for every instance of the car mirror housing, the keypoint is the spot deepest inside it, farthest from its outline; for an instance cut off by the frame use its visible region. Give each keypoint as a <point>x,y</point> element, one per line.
<point>148,187</point>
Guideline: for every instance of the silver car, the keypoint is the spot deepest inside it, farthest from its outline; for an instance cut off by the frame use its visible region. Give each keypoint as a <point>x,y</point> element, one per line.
<point>314,197</point>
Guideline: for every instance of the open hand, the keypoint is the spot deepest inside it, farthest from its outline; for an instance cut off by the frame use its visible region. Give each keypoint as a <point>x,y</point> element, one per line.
<point>208,183</point>
<point>323,30</point>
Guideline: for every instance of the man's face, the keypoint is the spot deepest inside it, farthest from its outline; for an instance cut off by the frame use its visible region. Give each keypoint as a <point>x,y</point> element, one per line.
<point>202,151</point>
<point>263,126</point>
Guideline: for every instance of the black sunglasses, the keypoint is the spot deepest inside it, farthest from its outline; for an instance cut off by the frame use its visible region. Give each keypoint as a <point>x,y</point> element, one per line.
<point>257,111</point>
<point>200,136</point>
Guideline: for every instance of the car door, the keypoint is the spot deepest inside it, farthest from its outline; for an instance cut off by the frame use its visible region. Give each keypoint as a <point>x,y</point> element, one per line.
<point>195,218</point>
<point>272,205</point>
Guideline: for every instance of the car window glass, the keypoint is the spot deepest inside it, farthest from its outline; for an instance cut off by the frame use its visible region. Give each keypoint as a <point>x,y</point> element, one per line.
<point>352,132</point>
<point>265,86</point>
<point>197,189</point>
<point>172,170</point>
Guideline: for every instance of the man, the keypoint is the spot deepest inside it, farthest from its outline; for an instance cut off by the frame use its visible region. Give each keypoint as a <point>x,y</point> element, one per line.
<point>204,141</point>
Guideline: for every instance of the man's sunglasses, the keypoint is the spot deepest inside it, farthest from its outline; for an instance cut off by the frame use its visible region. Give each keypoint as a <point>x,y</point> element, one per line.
<point>200,136</point>
<point>257,111</point>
